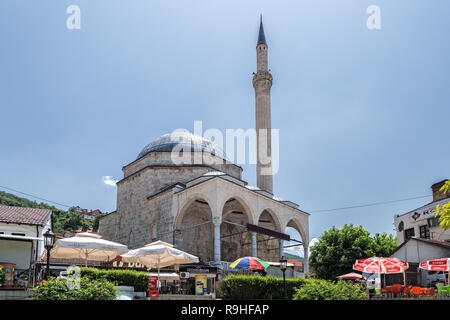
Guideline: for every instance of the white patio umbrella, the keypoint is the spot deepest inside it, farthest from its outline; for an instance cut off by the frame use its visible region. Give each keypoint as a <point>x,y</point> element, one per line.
<point>87,245</point>
<point>158,255</point>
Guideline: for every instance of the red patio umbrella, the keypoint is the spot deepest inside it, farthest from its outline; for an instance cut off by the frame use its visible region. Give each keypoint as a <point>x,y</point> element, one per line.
<point>437,265</point>
<point>350,276</point>
<point>381,265</point>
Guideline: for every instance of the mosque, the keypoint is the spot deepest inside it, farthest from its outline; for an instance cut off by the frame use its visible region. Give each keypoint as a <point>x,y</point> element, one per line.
<point>205,208</point>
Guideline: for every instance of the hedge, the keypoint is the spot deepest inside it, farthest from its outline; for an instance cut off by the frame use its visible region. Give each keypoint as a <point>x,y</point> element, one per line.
<point>89,289</point>
<point>130,278</point>
<point>243,287</point>
<point>328,290</point>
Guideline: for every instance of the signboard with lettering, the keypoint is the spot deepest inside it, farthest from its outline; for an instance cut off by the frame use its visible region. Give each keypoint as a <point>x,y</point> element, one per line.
<point>198,269</point>
<point>426,212</point>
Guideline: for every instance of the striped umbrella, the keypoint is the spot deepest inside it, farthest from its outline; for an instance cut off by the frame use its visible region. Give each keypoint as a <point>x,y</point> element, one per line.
<point>249,263</point>
<point>437,265</point>
<point>382,265</point>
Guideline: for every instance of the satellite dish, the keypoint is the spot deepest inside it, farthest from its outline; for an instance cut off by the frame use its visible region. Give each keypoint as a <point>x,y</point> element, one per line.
<point>400,226</point>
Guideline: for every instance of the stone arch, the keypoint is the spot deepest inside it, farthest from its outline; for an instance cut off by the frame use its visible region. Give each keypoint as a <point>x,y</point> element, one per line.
<point>187,202</point>
<point>268,247</point>
<point>295,224</point>
<point>273,215</point>
<point>235,241</point>
<point>193,228</point>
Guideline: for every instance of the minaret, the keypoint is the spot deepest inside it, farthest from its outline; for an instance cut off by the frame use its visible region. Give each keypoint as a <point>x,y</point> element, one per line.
<point>262,82</point>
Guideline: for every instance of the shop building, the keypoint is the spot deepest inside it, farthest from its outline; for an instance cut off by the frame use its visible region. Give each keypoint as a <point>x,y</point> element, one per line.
<point>21,243</point>
<point>421,222</point>
<point>415,251</point>
<point>421,238</point>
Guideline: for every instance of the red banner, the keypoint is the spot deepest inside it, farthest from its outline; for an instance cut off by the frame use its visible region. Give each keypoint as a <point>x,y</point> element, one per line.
<point>152,288</point>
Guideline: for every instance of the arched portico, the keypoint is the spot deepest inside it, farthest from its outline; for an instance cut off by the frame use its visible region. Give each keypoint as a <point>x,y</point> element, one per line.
<point>268,248</point>
<point>193,230</point>
<point>295,224</point>
<point>235,239</point>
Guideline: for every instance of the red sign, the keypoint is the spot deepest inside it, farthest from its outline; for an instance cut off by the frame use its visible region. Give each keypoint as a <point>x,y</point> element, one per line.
<point>152,288</point>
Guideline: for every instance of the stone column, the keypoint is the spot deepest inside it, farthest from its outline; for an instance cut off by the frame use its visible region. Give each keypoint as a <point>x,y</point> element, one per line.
<point>254,245</point>
<point>217,223</point>
<point>306,255</point>
<point>281,243</point>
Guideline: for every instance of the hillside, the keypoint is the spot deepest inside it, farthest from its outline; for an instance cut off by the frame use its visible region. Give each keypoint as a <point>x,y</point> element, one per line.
<point>63,221</point>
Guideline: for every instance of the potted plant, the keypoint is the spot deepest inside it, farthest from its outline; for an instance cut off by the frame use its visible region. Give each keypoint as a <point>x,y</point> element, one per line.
<point>2,276</point>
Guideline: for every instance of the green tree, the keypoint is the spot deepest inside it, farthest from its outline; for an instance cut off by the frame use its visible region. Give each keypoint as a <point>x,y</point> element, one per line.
<point>337,249</point>
<point>383,244</point>
<point>96,220</point>
<point>444,210</point>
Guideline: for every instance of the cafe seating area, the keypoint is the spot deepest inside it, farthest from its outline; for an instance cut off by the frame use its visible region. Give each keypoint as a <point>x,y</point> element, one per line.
<point>397,291</point>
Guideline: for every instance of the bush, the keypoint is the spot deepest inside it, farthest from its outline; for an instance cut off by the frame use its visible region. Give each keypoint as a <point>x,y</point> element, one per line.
<point>244,287</point>
<point>316,289</point>
<point>57,289</point>
<point>2,276</point>
<point>130,278</point>
<point>241,287</point>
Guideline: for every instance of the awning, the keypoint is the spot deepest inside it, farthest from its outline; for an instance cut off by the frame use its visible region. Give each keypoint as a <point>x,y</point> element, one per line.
<point>11,237</point>
<point>277,264</point>
<point>166,276</point>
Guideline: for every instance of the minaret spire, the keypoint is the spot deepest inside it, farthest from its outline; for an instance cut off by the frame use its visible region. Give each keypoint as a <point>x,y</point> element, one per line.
<point>261,36</point>
<point>262,82</point>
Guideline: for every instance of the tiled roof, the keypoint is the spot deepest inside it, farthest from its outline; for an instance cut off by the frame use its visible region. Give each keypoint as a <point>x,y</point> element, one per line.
<point>443,244</point>
<point>296,263</point>
<point>437,242</point>
<point>22,215</point>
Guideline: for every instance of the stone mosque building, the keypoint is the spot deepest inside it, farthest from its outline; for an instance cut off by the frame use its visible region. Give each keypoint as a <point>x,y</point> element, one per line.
<point>204,207</point>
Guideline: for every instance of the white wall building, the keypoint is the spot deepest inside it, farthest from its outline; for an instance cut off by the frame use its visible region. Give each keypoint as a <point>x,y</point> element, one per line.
<point>21,240</point>
<point>421,222</point>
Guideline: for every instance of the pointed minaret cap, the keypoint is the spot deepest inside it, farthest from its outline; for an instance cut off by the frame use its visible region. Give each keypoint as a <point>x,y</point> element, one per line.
<point>261,36</point>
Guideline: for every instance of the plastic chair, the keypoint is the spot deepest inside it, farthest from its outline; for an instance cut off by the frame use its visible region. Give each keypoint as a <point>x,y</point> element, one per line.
<point>406,291</point>
<point>396,289</point>
<point>416,291</point>
<point>386,291</point>
<point>430,292</point>
<point>441,289</point>
<point>446,290</point>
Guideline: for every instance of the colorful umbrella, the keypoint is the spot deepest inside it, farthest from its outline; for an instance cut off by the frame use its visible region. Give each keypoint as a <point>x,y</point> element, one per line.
<point>249,263</point>
<point>380,265</point>
<point>437,265</point>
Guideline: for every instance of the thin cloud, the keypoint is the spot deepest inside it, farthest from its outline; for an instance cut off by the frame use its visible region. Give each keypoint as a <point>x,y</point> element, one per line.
<point>109,181</point>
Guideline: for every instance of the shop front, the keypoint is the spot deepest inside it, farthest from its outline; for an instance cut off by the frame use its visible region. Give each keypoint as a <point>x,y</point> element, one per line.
<point>21,244</point>
<point>199,280</point>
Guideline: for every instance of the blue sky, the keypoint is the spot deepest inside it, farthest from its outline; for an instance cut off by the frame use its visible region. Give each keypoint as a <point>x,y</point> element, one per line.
<point>363,114</point>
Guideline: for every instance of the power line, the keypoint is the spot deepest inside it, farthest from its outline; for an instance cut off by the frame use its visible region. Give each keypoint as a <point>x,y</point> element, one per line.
<point>30,195</point>
<point>315,211</point>
<point>369,204</point>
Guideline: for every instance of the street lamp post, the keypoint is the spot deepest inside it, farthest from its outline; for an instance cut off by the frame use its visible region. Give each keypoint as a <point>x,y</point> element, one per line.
<point>49,242</point>
<point>283,267</point>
